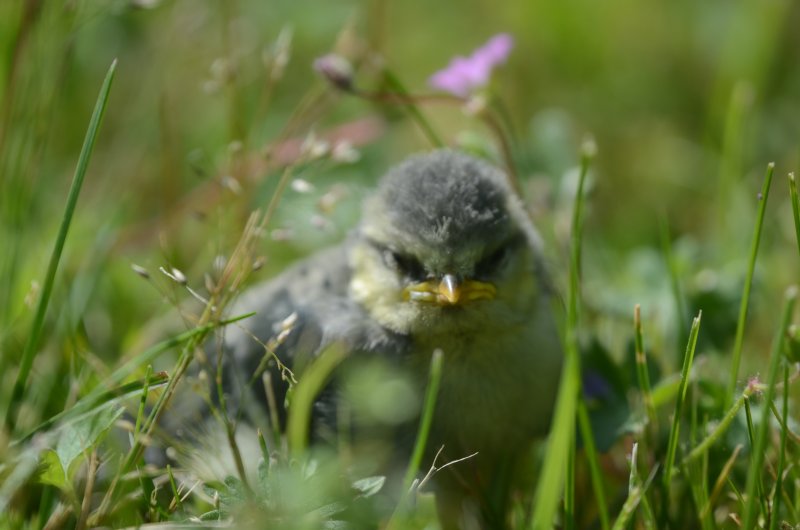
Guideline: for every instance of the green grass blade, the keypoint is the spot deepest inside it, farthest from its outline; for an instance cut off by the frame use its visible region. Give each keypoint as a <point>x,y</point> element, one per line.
<point>89,404</point>
<point>795,208</point>
<point>739,109</point>
<point>594,464</point>
<point>721,427</point>
<point>308,387</point>
<point>636,493</point>
<point>672,447</point>
<point>29,353</point>
<point>569,486</point>
<point>674,278</point>
<point>428,407</point>
<point>109,386</point>
<point>151,353</point>
<point>642,374</point>
<point>751,509</point>
<point>751,436</point>
<point>739,340</point>
<point>696,475</point>
<point>562,432</point>
<point>776,501</point>
<point>723,477</point>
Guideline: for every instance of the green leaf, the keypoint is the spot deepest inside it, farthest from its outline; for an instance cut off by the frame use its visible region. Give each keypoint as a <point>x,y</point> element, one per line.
<point>76,437</point>
<point>59,463</point>
<point>326,511</point>
<point>52,472</point>
<point>233,494</point>
<point>213,515</point>
<point>263,477</point>
<point>369,486</point>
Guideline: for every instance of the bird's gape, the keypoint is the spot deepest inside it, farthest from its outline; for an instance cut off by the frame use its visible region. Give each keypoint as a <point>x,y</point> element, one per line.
<point>449,290</point>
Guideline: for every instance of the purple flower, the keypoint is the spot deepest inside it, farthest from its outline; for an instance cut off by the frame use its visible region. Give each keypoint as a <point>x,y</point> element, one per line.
<point>595,385</point>
<point>464,74</point>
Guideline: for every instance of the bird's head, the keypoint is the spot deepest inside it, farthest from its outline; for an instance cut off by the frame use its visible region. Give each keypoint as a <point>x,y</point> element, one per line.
<point>444,246</point>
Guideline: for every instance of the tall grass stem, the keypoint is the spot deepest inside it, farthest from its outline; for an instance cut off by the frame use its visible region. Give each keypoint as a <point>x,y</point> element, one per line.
<point>748,282</point>
<point>688,358</point>
<point>674,279</point>
<point>562,433</point>
<point>795,208</point>
<point>34,337</point>
<point>776,500</point>
<point>428,408</point>
<point>754,474</point>
<point>593,460</point>
<point>642,373</point>
<point>701,448</point>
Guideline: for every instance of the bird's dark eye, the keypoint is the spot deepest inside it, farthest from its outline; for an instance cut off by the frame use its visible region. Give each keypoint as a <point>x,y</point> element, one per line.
<point>406,265</point>
<point>492,263</point>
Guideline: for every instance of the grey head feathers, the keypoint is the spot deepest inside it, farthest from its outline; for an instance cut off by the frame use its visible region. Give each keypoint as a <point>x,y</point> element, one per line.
<point>445,197</point>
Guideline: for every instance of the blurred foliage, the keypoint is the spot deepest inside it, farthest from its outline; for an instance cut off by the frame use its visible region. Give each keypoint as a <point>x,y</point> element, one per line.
<point>216,99</point>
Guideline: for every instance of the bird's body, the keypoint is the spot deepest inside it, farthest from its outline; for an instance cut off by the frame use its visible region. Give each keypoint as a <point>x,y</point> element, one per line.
<point>444,259</point>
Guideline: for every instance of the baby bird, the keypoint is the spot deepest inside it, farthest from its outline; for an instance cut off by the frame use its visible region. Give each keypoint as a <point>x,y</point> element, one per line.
<point>444,258</point>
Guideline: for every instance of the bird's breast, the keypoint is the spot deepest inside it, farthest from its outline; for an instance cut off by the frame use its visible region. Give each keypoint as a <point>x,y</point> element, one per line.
<point>497,389</point>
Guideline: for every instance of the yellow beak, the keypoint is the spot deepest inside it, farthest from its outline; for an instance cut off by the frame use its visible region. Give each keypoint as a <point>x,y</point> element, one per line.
<point>449,291</point>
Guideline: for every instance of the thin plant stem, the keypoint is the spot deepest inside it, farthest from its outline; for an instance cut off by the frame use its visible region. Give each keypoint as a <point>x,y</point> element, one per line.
<point>86,503</point>
<point>751,436</point>
<point>642,373</point>
<point>672,447</point>
<point>594,466</point>
<point>174,488</point>
<point>562,432</point>
<point>272,405</point>
<point>636,492</point>
<point>427,129</point>
<point>143,401</point>
<point>493,123</point>
<point>754,475</point>
<point>776,499</point>
<point>784,426</point>
<point>721,480</point>
<point>732,143</point>
<point>721,427</point>
<point>748,282</point>
<point>674,279</point>
<point>135,452</point>
<point>230,428</point>
<point>101,394</point>
<point>34,337</point>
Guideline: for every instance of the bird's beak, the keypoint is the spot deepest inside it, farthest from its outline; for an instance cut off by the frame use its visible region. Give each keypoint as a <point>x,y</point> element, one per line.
<point>449,291</point>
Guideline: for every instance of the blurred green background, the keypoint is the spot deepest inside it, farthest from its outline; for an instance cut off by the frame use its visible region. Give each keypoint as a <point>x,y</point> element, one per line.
<point>687,102</point>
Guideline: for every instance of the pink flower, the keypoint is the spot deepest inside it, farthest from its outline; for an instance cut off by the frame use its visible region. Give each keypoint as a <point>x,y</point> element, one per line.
<point>336,69</point>
<point>465,74</point>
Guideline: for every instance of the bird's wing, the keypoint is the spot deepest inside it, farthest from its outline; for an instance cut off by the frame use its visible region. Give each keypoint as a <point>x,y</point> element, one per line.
<point>288,329</point>
<point>298,315</point>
